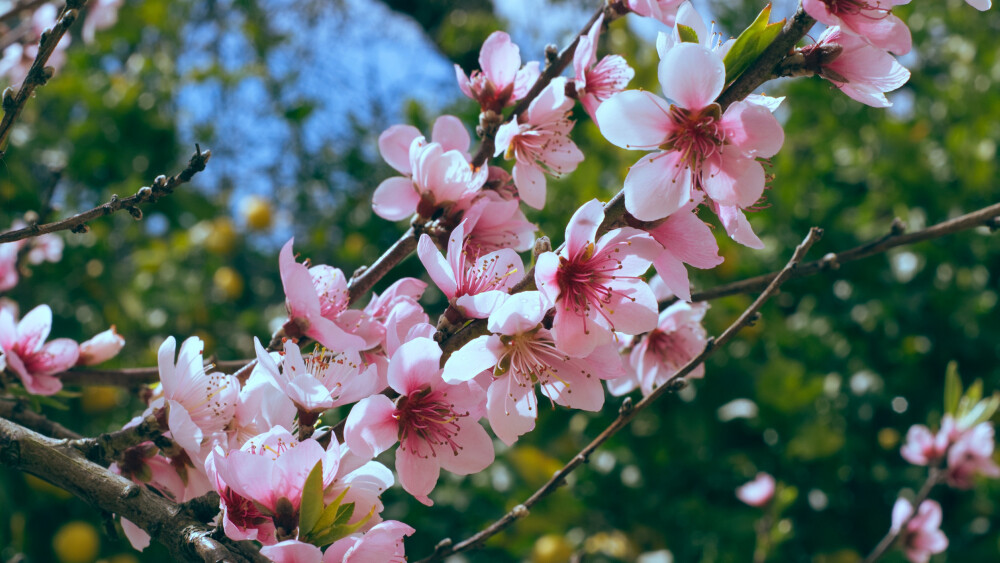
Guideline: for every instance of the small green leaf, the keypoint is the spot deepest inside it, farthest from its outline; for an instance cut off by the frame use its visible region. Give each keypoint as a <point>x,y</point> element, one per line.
<point>688,34</point>
<point>952,388</point>
<point>750,44</point>
<point>325,520</point>
<point>312,500</point>
<point>342,530</point>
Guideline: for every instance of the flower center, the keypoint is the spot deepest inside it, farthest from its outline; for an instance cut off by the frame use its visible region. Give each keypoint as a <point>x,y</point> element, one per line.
<point>584,282</point>
<point>855,7</point>
<point>427,418</point>
<point>667,347</point>
<point>697,135</point>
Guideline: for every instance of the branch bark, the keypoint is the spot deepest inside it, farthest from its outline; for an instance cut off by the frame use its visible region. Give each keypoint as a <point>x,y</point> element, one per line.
<point>77,223</point>
<point>627,412</point>
<point>167,522</point>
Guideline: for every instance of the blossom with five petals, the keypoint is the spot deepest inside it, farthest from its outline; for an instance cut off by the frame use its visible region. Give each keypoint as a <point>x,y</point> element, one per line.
<point>863,72</point>
<point>502,81</point>
<point>28,355</point>
<point>922,536</point>
<point>596,286</point>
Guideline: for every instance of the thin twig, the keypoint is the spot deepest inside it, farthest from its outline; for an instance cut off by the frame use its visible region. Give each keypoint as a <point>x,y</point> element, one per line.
<point>934,476</point>
<point>628,412</point>
<point>38,75</point>
<point>163,186</point>
<point>109,446</point>
<point>895,238</point>
<point>17,411</point>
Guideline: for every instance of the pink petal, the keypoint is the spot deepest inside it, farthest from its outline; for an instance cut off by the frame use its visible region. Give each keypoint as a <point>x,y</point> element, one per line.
<point>292,551</point>
<point>738,227</point>
<point>300,294</point>
<point>136,535</point>
<point>753,129</point>
<point>34,328</point>
<point>450,132</point>
<point>573,337</point>
<point>394,146</point>
<point>329,334</point>
<point>520,313</point>
<point>692,75</point>
<point>689,239</point>
<point>633,310</point>
<point>185,432</point>
<point>463,82</point>
<point>531,184</point>
<point>582,227</point>
<point>525,79</point>
<point>733,180</point>
<point>54,357</point>
<point>674,275</point>
<point>511,409</point>
<point>370,428</point>
<point>415,364</point>
<point>395,199</point>
<point>500,59</point>
<point>418,475</point>
<point>475,449</point>
<point>480,354</point>
<point>656,186</point>
<point>546,269</point>
<point>438,268</point>
<point>576,390</point>
<point>481,305</point>
<point>634,119</point>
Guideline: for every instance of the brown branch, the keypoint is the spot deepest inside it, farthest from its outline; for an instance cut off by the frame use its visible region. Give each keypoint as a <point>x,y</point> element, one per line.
<point>38,74</point>
<point>166,521</point>
<point>161,187</point>
<point>361,283</point>
<point>628,412</point>
<point>934,476</point>
<point>896,237</point>
<point>109,446</point>
<point>132,377</point>
<point>18,411</point>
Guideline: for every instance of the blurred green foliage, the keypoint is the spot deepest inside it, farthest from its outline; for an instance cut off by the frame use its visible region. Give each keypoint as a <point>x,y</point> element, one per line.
<point>838,368</point>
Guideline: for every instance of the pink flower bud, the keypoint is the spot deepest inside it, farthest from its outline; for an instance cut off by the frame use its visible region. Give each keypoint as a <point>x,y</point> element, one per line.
<point>101,348</point>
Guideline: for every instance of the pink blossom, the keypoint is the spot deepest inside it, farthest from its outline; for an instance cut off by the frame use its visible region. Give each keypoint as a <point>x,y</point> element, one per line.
<point>596,287</point>
<point>757,492</point>
<point>435,177</point>
<point>321,380</point>
<point>312,296</point>
<point>404,292</point>
<point>384,542</point>
<point>923,447</point>
<point>198,404</point>
<point>662,10</point>
<point>502,81</point>
<point>261,483</point>
<point>661,353</point>
<point>493,222</point>
<point>860,70</point>
<point>541,143</point>
<point>262,405</point>
<point>436,424</point>
<point>922,536</point>
<point>8,264</point>
<point>101,348</point>
<point>597,82</point>
<point>101,14</point>
<point>872,20</point>
<point>702,148</point>
<point>476,288</point>
<point>29,356</point>
<point>520,354</point>
<point>46,248</point>
<point>686,239</point>
<point>972,455</point>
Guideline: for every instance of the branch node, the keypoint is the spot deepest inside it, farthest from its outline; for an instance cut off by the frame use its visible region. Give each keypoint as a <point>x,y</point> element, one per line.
<point>131,491</point>
<point>898,227</point>
<point>542,245</point>
<point>752,319</point>
<point>135,212</point>
<point>519,511</point>
<point>551,54</point>
<point>144,193</point>
<point>678,384</point>
<point>9,104</point>
<point>81,229</point>
<point>829,261</point>
<point>626,407</point>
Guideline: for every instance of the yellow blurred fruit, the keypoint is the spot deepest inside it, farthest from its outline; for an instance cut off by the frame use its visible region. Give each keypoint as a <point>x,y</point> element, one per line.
<point>99,398</point>
<point>551,548</point>
<point>222,236</point>
<point>257,213</point>
<point>42,486</point>
<point>76,542</point>
<point>229,282</point>
<point>888,438</point>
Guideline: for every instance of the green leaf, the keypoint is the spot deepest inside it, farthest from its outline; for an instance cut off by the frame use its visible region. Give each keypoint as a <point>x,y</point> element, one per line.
<point>750,44</point>
<point>952,388</point>
<point>341,530</point>
<point>324,521</point>
<point>688,34</point>
<point>311,506</point>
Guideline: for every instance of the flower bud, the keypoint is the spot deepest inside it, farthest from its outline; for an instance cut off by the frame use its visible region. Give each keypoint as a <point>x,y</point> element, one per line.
<point>101,348</point>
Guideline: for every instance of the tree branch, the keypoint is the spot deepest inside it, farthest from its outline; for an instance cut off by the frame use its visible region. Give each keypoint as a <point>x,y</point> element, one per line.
<point>109,446</point>
<point>628,412</point>
<point>164,520</point>
<point>38,75</point>
<point>17,411</point>
<point>896,237</point>
<point>161,187</point>
<point>934,476</point>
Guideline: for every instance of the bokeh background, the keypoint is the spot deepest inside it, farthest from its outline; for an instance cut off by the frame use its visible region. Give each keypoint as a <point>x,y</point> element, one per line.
<point>291,95</point>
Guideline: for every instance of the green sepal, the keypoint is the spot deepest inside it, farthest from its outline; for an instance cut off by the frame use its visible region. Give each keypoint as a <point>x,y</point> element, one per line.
<point>952,388</point>
<point>311,506</point>
<point>687,33</point>
<point>750,44</point>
